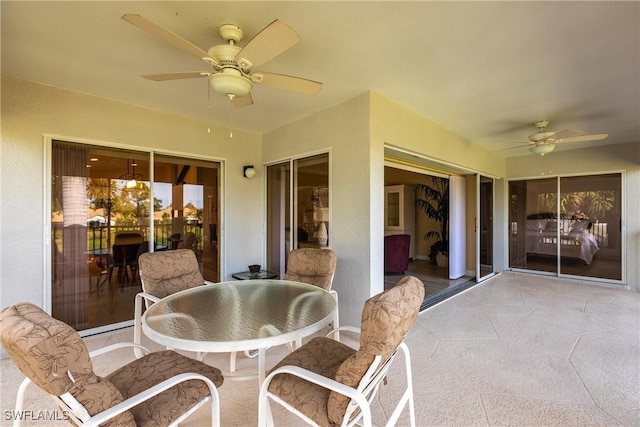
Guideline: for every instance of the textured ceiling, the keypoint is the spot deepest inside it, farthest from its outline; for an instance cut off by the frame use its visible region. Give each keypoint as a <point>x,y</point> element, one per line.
<point>485,70</point>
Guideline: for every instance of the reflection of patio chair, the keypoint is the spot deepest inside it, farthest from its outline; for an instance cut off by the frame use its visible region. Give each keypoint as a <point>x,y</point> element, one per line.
<point>189,241</point>
<point>174,240</point>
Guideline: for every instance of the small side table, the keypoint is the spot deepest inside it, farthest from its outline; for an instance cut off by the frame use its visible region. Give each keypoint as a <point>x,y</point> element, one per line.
<point>247,275</point>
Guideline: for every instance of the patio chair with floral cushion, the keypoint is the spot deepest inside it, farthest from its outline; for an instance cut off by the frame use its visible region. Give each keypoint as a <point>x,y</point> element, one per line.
<point>316,267</point>
<point>328,383</point>
<point>159,389</point>
<point>163,273</point>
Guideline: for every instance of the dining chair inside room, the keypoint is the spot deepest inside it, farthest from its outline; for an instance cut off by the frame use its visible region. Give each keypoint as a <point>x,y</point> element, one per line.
<point>161,274</point>
<point>125,249</point>
<point>328,383</point>
<point>160,388</point>
<point>190,242</point>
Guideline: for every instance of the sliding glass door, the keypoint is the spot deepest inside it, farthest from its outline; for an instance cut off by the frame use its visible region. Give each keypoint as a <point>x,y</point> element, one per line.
<point>188,198</point>
<point>567,225</point>
<point>108,206</point>
<point>297,199</point>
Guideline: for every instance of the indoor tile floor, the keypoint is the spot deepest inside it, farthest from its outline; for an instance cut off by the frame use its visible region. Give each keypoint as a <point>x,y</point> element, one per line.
<point>517,349</point>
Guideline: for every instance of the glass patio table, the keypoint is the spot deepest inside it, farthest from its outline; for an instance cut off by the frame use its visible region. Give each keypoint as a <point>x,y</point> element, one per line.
<point>239,316</point>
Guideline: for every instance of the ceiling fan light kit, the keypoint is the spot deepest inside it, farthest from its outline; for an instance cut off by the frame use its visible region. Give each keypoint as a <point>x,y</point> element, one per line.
<point>232,85</point>
<point>542,149</point>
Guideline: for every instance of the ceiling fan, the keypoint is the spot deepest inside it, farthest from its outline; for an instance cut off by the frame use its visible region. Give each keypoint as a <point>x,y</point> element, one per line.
<point>232,67</point>
<point>544,141</point>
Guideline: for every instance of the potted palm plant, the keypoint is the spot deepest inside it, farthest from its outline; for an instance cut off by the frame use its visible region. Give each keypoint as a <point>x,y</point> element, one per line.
<point>434,202</point>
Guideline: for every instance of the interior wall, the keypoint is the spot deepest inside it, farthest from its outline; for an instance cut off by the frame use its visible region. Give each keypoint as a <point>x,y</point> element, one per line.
<point>395,176</point>
<point>31,110</point>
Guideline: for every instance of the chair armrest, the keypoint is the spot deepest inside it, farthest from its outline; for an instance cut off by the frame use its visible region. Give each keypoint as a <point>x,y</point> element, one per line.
<point>343,329</point>
<point>117,346</point>
<point>134,400</point>
<point>325,382</point>
<point>147,296</point>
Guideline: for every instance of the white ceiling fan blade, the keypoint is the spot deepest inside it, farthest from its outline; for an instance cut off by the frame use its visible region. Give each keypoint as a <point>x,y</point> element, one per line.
<point>515,148</point>
<point>242,101</point>
<point>583,138</point>
<point>176,76</point>
<point>567,133</point>
<point>290,83</point>
<point>274,39</point>
<point>168,36</point>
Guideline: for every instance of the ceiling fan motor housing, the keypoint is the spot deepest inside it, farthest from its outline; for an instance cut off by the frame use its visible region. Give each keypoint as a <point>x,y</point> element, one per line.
<point>540,136</point>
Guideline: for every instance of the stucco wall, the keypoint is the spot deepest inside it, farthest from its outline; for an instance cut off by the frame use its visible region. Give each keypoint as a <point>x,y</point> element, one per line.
<point>31,110</point>
<point>344,131</point>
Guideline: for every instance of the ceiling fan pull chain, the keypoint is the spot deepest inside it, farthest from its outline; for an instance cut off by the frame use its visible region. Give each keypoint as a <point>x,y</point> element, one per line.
<point>230,117</point>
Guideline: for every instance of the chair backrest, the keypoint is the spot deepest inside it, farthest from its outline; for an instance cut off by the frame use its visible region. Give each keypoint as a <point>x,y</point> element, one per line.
<point>125,246</point>
<point>313,266</point>
<point>386,320</point>
<point>167,272</point>
<point>189,241</point>
<point>54,357</point>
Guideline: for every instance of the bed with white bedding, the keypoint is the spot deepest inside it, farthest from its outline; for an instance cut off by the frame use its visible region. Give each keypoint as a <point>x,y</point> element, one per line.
<point>576,240</point>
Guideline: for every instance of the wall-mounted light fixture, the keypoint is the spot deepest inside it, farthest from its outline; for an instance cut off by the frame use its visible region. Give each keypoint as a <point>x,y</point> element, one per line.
<point>249,171</point>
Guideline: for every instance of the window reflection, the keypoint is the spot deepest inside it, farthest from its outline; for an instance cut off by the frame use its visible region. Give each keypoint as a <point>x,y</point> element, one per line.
<point>575,220</point>
<point>106,212</point>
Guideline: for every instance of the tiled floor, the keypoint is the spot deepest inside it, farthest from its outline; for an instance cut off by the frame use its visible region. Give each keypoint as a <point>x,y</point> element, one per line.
<point>515,350</point>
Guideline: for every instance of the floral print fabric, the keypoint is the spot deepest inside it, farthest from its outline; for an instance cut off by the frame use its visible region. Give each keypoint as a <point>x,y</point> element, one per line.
<point>56,359</point>
<point>313,266</point>
<point>386,320</point>
<point>167,272</point>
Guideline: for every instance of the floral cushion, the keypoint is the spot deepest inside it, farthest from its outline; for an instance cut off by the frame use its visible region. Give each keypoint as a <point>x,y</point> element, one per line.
<point>322,356</point>
<point>313,266</point>
<point>386,320</point>
<point>154,368</point>
<point>54,357</point>
<point>167,272</point>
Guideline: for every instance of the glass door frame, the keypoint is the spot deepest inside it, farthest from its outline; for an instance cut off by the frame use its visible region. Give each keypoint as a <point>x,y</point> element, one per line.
<point>478,222</point>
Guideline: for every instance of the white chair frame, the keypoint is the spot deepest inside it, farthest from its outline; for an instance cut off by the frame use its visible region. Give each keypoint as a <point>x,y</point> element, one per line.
<point>361,397</point>
<point>77,412</point>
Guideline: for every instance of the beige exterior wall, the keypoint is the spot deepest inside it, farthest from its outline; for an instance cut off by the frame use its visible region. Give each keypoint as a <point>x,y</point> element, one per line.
<point>30,111</point>
<point>343,131</point>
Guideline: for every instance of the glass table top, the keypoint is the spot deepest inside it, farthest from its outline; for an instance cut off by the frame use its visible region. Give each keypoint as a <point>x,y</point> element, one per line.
<point>239,315</point>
